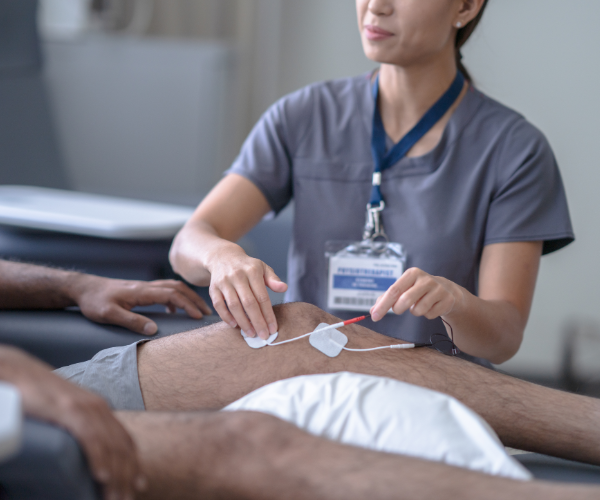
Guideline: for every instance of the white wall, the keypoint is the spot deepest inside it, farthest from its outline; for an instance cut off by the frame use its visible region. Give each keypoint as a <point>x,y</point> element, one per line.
<point>537,56</point>
<point>139,117</point>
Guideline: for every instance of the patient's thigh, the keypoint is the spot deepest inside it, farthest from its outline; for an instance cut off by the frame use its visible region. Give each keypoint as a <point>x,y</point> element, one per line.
<point>213,366</point>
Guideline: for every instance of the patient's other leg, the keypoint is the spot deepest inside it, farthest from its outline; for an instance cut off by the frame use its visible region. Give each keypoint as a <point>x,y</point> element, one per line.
<point>254,456</point>
<point>213,366</point>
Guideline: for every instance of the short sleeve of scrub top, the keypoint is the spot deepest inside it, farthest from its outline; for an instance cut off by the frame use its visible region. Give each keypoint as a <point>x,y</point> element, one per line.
<point>492,178</point>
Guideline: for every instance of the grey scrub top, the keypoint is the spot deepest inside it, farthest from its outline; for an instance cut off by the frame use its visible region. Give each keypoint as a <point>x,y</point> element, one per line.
<point>492,178</point>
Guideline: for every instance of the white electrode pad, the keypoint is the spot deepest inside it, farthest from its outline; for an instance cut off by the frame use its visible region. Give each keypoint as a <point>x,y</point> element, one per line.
<point>257,342</point>
<point>329,342</point>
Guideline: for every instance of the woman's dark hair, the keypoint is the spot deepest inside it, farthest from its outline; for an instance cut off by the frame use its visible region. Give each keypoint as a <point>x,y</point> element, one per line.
<point>462,36</point>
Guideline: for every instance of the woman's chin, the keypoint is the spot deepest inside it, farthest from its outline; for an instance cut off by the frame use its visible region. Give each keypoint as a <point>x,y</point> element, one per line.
<point>381,58</point>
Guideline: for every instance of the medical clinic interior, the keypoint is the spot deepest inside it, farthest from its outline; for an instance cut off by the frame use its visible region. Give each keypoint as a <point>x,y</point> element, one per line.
<point>301,249</point>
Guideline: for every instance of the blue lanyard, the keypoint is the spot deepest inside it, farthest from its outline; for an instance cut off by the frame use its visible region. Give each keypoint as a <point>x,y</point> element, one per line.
<point>384,161</point>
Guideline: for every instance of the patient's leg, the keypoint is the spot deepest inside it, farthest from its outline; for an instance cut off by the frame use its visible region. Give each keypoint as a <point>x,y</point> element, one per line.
<point>253,456</point>
<point>213,366</point>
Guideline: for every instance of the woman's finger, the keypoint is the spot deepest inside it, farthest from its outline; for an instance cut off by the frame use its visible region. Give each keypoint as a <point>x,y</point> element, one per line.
<point>236,308</point>
<point>425,302</point>
<point>263,300</point>
<point>391,296</point>
<point>252,307</point>
<point>220,306</point>
<point>273,281</point>
<point>442,307</point>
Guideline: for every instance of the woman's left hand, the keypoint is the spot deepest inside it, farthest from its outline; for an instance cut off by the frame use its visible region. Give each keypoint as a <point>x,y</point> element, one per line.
<point>421,293</point>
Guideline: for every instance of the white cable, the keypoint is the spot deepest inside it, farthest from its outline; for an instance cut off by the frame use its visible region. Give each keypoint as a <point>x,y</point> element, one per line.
<point>396,346</point>
<point>328,327</point>
<point>294,339</point>
<point>337,325</point>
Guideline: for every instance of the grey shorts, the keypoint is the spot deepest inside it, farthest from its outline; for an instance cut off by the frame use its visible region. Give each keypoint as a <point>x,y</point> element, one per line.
<point>112,374</point>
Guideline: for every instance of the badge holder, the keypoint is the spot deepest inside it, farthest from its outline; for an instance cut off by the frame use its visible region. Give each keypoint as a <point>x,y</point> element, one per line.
<point>361,271</point>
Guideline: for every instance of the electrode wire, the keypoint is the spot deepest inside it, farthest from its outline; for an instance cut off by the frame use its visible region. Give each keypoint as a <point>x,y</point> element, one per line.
<point>395,346</point>
<point>328,327</point>
<point>294,339</point>
<point>344,323</point>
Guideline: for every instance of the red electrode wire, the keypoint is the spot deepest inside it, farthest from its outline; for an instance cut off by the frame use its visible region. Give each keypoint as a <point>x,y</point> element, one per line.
<point>355,320</point>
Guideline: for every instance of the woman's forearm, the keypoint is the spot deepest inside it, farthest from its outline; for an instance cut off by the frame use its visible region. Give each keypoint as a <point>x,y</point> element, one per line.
<point>491,329</point>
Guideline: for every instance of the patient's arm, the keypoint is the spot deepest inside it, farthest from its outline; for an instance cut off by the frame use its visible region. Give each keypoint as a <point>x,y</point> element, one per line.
<point>213,366</point>
<point>244,455</point>
<point>26,286</point>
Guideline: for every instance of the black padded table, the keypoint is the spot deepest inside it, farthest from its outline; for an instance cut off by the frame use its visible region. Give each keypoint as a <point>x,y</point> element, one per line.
<point>62,338</point>
<point>557,469</point>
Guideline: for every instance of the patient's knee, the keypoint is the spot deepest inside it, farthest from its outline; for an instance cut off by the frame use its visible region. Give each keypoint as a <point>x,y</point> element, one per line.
<point>295,315</point>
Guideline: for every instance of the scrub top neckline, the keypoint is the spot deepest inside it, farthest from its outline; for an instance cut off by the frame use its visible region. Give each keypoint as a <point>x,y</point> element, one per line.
<point>430,161</point>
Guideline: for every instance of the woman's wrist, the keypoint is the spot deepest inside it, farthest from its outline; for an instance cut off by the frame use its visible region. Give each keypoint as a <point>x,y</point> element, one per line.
<point>220,251</point>
<point>459,306</point>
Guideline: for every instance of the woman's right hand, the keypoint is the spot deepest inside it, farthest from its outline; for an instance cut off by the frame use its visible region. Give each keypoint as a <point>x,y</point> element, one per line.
<point>238,289</point>
<point>203,253</point>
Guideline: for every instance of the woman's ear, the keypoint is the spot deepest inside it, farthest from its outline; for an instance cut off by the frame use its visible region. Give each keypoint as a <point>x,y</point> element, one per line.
<point>467,12</point>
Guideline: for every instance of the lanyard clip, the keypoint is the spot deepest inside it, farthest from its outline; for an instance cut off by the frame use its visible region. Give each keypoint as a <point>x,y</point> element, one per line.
<point>374,226</point>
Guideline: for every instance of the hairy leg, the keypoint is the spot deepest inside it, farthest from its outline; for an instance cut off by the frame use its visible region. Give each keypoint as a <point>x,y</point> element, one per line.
<point>211,367</point>
<point>254,456</point>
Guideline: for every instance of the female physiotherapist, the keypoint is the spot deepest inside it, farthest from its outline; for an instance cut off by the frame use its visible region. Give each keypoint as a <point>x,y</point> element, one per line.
<point>475,201</point>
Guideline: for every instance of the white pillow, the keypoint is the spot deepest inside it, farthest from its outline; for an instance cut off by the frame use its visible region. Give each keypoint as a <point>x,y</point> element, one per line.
<point>386,415</point>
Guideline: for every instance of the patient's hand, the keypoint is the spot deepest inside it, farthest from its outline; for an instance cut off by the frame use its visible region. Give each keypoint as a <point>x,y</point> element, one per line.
<point>110,301</point>
<point>109,449</point>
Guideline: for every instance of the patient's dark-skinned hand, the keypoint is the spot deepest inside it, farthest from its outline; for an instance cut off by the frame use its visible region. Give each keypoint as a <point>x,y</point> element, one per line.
<point>110,301</point>
<point>109,449</point>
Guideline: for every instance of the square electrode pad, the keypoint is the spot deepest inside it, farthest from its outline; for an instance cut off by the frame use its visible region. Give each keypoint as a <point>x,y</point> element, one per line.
<point>257,342</point>
<point>329,342</point>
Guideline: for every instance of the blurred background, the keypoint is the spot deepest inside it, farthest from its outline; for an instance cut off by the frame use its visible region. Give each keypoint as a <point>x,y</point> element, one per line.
<point>151,99</point>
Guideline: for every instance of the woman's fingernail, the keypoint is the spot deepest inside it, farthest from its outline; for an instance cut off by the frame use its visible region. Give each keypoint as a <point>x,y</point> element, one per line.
<point>250,332</point>
<point>150,328</point>
<point>233,324</point>
<point>272,328</point>
<point>375,316</point>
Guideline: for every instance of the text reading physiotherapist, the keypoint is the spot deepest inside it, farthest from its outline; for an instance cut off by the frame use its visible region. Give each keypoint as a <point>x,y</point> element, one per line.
<point>475,201</point>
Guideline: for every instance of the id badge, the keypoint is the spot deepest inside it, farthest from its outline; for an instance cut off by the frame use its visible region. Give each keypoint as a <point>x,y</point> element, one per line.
<point>359,272</point>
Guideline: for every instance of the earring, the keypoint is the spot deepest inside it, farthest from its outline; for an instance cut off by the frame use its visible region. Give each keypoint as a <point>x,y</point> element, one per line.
<point>459,24</point>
